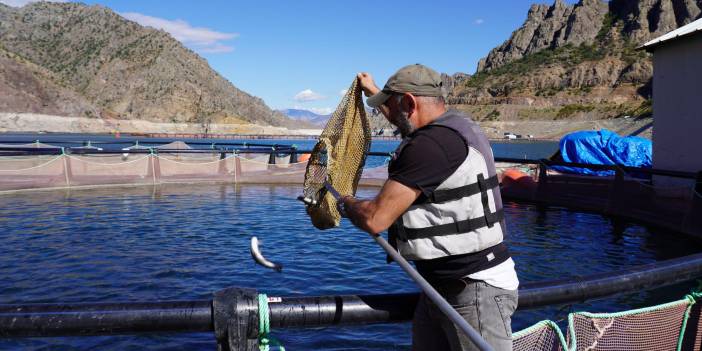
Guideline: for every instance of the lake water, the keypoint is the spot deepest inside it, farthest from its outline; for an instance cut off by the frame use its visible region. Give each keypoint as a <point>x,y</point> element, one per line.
<point>180,242</point>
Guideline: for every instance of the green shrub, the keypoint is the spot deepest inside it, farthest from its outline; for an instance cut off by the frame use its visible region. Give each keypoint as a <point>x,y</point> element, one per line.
<point>569,110</point>
<point>568,55</point>
<point>494,115</point>
<point>607,24</point>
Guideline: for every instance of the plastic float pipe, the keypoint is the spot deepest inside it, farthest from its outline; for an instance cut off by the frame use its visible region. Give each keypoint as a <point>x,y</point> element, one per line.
<point>137,141</point>
<point>105,318</point>
<point>13,151</point>
<point>307,311</point>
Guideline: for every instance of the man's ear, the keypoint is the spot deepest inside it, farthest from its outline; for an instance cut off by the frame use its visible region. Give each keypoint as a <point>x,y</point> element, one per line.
<point>408,103</point>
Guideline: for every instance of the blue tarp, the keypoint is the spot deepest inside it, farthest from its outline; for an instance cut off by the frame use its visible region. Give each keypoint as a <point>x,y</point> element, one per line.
<point>604,148</point>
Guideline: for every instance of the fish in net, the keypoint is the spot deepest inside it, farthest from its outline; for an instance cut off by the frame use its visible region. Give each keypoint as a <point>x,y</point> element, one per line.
<point>337,159</point>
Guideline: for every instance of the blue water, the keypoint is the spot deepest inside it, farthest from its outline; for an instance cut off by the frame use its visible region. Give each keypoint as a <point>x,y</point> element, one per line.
<point>184,242</point>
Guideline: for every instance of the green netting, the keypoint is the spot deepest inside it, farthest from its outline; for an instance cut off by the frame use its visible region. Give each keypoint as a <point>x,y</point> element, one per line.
<point>544,335</point>
<point>670,326</point>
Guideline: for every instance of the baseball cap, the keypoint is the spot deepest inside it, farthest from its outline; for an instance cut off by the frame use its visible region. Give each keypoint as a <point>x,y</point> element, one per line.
<point>415,79</point>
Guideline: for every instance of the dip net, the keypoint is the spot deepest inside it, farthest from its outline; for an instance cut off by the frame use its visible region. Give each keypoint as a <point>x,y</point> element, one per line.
<point>671,326</point>
<point>337,158</point>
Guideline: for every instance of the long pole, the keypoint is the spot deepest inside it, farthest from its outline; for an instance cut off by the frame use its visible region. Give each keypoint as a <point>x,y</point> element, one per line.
<point>428,290</point>
<point>434,295</point>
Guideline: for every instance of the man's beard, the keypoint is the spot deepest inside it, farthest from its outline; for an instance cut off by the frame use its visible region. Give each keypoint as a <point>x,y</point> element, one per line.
<point>401,121</point>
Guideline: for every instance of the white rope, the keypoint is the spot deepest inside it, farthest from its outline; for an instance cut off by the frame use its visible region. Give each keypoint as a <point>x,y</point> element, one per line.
<point>31,168</point>
<point>107,164</point>
<point>152,161</point>
<point>65,169</point>
<point>20,159</point>
<point>600,333</point>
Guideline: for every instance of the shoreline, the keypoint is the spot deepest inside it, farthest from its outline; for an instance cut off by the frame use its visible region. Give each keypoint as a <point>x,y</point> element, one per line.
<point>542,130</point>
<point>40,123</point>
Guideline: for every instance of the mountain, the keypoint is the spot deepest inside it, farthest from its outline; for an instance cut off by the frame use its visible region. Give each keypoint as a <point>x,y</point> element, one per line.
<point>572,61</point>
<point>306,116</point>
<point>78,60</point>
<point>377,121</point>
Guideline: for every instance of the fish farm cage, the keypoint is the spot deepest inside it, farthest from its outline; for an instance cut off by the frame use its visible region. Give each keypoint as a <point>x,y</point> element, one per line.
<point>241,318</point>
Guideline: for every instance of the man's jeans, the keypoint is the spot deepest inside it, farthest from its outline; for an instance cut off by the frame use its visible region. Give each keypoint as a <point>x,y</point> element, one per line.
<point>486,308</point>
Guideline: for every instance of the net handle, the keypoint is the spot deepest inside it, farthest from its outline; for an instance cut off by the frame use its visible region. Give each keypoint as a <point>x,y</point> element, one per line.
<point>428,290</point>
<point>434,296</point>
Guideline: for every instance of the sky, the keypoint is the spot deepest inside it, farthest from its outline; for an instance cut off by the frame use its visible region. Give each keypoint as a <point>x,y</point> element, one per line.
<point>304,53</point>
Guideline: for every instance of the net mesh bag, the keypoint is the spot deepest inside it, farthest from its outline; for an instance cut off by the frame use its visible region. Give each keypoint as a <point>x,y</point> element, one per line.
<point>652,328</point>
<point>337,158</point>
<point>543,336</point>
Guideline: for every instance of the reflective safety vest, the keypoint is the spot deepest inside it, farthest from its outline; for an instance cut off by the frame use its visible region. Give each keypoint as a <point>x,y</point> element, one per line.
<point>464,213</point>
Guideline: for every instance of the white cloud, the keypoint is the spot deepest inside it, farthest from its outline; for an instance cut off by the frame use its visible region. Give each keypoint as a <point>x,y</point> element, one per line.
<point>201,39</point>
<point>308,95</point>
<point>20,3</point>
<point>317,110</point>
<point>342,92</point>
<point>479,21</point>
<point>321,110</point>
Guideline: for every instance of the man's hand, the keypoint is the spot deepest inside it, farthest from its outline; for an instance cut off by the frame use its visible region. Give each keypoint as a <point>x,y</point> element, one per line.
<point>341,206</point>
<point>376,215</point>
<point>367,84</point>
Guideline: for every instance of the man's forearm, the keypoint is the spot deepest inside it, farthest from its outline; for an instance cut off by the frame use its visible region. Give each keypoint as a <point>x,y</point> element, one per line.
<point>362,214</point>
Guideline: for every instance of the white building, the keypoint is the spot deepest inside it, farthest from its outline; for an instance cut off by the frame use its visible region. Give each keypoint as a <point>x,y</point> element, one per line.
<point>677,101</point>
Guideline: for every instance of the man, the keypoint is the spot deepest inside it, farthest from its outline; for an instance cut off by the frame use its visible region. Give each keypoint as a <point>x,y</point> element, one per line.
<point>442,207</point>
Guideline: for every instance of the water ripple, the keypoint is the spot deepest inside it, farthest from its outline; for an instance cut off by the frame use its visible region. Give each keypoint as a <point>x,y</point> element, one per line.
<point>184,242</point>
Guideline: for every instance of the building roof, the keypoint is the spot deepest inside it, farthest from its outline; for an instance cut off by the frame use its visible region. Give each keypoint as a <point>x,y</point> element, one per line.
<point>686,30</point>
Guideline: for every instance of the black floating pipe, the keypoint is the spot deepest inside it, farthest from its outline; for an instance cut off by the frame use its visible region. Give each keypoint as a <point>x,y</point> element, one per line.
<point>317,311</point>
<point>308,311</point>
<point>653,171</point>
<point>105,318</point>
<point>640,278</point>
<point>139,141</point>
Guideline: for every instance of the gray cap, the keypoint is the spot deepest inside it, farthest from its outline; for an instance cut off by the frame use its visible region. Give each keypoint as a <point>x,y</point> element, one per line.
<point>415,79</point>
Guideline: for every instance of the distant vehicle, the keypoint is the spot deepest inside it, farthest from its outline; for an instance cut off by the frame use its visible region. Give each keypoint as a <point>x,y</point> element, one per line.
<point>510,136</point>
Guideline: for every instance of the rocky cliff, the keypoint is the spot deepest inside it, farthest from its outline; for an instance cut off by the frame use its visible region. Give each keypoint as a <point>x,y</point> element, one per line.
<point>73,59</point>
<point>572,60</point>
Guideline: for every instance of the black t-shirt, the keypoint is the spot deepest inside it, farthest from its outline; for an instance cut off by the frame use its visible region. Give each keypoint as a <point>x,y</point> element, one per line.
<point>432,155</point>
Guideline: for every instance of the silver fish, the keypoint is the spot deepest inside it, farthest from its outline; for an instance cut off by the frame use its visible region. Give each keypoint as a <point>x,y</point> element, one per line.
<point>258,257</point>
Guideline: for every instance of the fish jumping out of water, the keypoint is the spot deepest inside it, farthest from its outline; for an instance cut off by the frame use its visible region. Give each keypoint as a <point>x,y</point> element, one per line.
<point>258,257</point>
